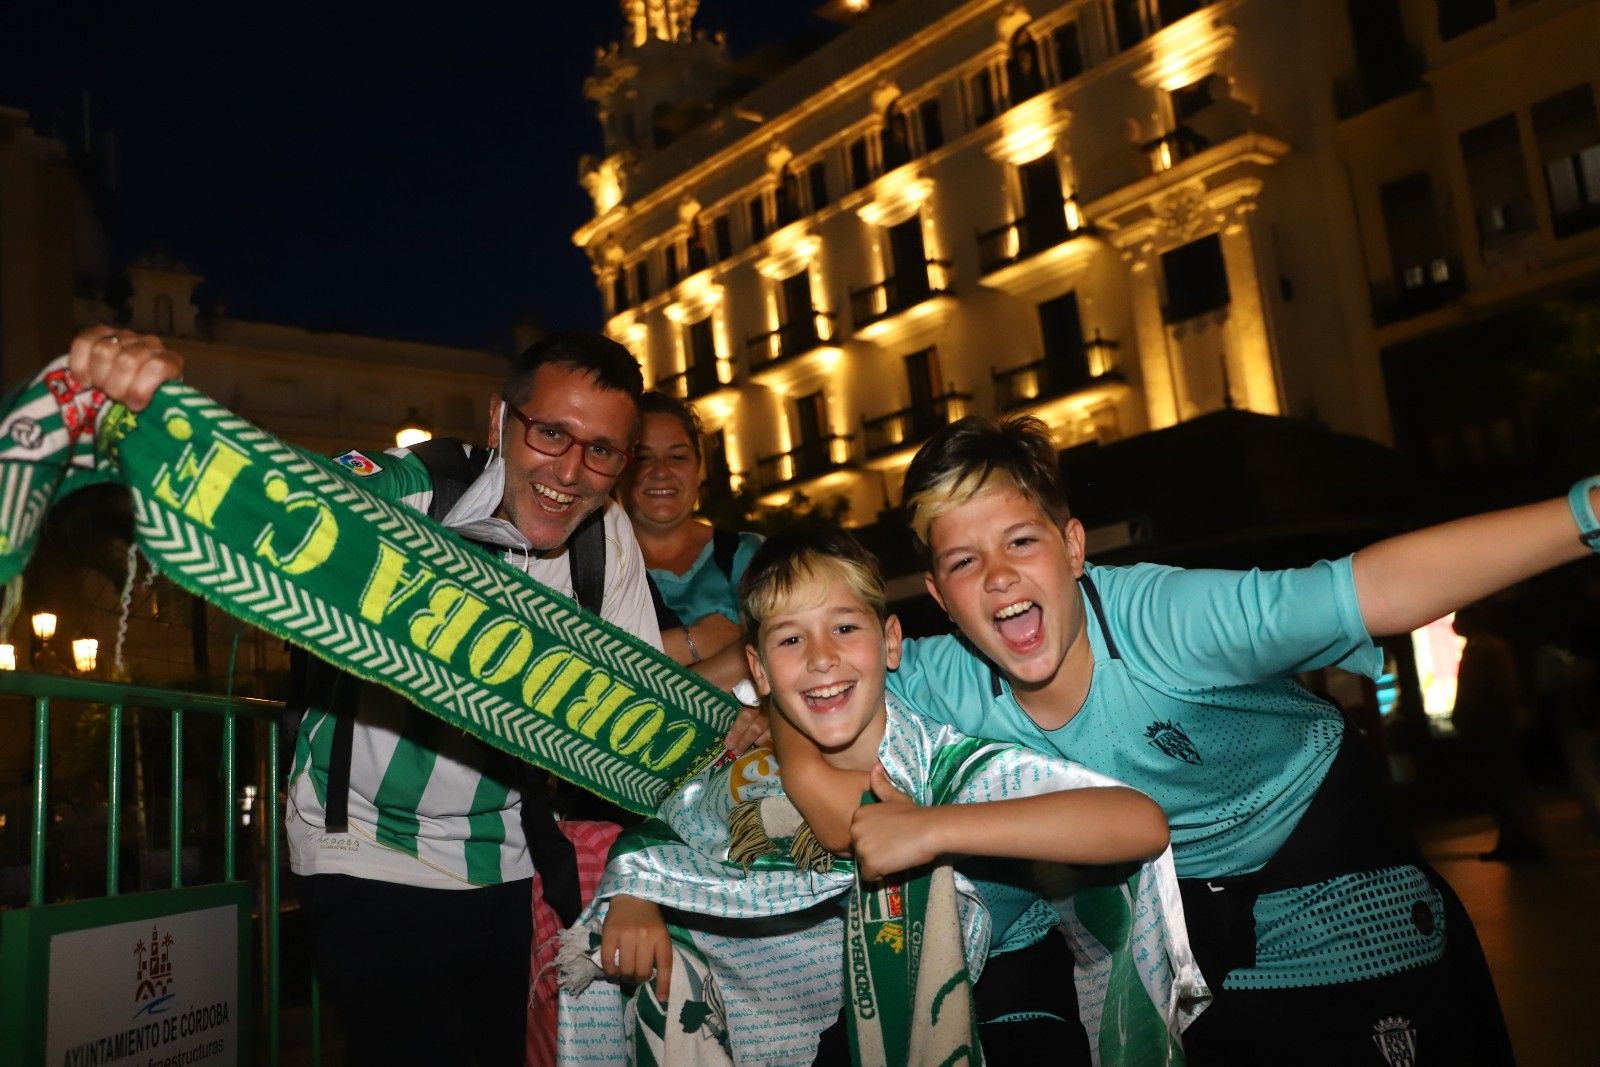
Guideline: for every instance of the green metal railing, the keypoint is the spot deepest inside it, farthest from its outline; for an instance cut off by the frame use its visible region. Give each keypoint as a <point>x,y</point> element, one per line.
<point>43,689</point>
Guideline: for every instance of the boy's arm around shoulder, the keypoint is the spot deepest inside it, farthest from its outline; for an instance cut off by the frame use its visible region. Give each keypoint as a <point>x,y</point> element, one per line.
<point>825,796</point>
<point>1090,826</point>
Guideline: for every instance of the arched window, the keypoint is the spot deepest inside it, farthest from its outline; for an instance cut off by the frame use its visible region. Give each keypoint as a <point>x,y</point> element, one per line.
<point>1023,69</point>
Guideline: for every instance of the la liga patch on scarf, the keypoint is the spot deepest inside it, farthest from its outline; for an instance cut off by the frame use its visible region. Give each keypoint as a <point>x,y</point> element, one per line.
<point>289,542</point>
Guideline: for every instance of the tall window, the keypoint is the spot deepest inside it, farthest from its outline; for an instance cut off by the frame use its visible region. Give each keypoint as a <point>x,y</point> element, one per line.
<point>721,237</point>
<point>859,155</point>
<point>1569,149</point>
<point>1128,17</point>
<point>702,369</point>
<point>619,291</point>
<point>641,280</point>
<point>910,261</point>
<point>817,183</point>
<point>760,224</point>
<point>896,138</point>
<point>983,96</point>
<point>673,255</point>
<point>795,294</point>
<point>719,475</point>
<point>1411,221</point>
<point>1066,51</point>
<point>1067,365</point>
<point>1023,69</point>
<point>811,428</point>
<point>931,125</point>
<point>1492,154</point>
<point>1043,206</point>
<point>1196,277</point>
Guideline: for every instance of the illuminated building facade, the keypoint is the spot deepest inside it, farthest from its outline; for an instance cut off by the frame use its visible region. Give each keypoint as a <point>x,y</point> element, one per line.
<point>1123,216</point>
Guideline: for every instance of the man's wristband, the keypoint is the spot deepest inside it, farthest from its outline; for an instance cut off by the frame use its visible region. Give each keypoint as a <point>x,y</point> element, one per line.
<point>688,639</point>
<point>1583,512</point>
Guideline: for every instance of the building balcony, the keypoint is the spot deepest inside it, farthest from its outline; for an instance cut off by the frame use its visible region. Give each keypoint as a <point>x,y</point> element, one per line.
<point>1090,368</point>
<point>1172,148</point>
<point>1418,289</point>
<point>788,342</point>
<point>693,382</point>
<point>875,308</point>
<point>910,426</point>
<point>1025,238</point>
<point>810,460</point>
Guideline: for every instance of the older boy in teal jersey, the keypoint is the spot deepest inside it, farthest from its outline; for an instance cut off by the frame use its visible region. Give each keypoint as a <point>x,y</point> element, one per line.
<point>1324,935</point>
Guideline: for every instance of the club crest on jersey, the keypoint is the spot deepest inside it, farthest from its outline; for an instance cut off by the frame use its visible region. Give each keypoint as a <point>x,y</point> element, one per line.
<point>1170,739</point>
<point>358,463</point>
<point>1396,1040</point>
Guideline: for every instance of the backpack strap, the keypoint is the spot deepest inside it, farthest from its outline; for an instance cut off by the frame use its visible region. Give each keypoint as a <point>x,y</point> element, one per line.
<point>586,555</point>
<point>452,467</point>
<point>724,546</point>
<point>666,618</point>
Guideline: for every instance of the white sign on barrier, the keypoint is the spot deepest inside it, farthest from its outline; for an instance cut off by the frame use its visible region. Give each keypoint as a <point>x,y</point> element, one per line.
<point>161,992</point>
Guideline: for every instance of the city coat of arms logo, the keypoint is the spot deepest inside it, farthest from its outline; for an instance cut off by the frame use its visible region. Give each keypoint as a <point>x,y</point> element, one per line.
<point>153,976</point>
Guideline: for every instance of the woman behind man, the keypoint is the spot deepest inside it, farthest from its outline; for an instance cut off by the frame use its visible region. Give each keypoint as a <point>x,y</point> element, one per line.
<point>694,567</point>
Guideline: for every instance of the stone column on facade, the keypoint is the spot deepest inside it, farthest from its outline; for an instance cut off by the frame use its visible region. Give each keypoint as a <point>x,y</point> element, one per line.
<point>1156,373</point>
<point>1253,377</point>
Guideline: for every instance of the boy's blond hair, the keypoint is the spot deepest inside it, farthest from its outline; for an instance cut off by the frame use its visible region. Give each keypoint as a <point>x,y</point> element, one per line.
<point>975,455</point>
<point>792,563</point>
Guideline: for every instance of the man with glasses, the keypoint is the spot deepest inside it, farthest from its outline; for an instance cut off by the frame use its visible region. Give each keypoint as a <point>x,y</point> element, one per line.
<point>420,909</point>
<point>409,837</point>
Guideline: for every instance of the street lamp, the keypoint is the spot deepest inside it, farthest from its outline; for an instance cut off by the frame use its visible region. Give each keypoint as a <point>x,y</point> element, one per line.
<point>44,625</point>
<point>85,651</point>
<point>413,430</point>
<point>8,657</point>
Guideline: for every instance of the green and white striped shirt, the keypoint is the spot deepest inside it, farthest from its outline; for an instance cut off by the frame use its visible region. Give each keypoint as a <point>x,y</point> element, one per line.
<point>430,806</point>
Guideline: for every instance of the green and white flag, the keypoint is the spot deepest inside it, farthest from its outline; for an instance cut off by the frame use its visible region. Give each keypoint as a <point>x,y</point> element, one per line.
<point>760,944</point>
<point>289,542</point>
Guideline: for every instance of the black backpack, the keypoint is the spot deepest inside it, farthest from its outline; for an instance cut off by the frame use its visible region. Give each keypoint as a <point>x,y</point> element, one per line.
<point>453,468</point>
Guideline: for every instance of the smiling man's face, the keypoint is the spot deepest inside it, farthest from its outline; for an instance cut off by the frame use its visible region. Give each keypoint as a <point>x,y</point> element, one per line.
<point>546,497</point>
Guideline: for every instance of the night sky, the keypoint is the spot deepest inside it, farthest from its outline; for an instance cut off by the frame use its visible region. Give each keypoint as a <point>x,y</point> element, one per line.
<point>368,169</point>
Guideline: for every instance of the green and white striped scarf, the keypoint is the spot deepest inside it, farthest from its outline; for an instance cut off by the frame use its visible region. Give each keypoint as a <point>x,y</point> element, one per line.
<point>760,948</point>
<point>289,542</point>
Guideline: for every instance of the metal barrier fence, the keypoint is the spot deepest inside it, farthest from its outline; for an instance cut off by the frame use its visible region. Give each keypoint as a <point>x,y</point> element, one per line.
<point>45,689</point>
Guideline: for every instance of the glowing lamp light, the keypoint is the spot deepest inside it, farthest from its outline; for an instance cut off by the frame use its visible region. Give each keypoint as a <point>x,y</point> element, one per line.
<point>44,625</point>
<point>1074,213</point>
<point>8,657</point>
<point>413,431</point>
<point>85,652</point>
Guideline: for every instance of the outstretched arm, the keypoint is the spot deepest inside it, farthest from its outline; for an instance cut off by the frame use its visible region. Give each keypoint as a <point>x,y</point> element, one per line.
<point>1092,826</point>
<point>825,796</point>
<point>1410,580</point>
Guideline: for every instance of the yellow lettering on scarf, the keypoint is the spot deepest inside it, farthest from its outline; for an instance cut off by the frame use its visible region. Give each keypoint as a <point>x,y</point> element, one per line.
<point>389,586</point>
<point>678,738</point>
<point>197,486</point>
<point>636,728</point>
<point>316,544</point>
<point>590,714</point>
<point>549,679</point>
<point>499,651</point>
<point>451,612</point>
